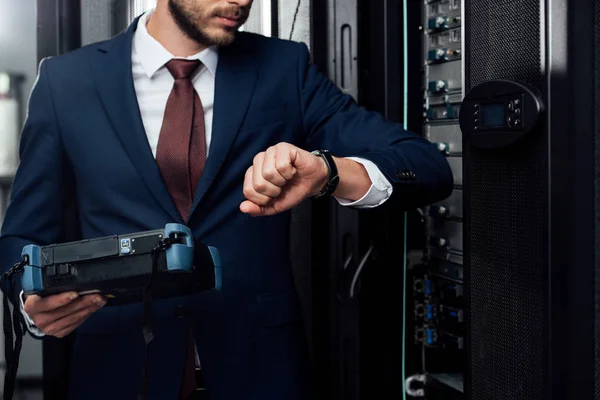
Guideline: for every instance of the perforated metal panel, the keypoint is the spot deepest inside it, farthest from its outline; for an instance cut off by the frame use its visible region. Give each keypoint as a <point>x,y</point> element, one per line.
<point>96,21</point>
<point>260,19</point>
<point>295,20</point>
<point>103,19</point>
<point>506,216</point>
<point>504,40</point>
<point>125,11</point>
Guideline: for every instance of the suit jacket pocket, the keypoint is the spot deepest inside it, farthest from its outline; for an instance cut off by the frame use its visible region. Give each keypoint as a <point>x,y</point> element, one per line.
<point>261,117</point>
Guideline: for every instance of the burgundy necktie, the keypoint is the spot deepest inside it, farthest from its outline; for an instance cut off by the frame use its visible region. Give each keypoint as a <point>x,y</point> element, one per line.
<point>181,155</point>
<point>181,150</point>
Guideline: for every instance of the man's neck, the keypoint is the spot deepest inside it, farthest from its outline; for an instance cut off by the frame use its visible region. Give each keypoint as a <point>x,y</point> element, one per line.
<point>164,29</point>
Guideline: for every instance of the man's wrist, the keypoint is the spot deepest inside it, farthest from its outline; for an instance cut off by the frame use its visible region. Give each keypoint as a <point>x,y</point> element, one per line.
<point>33,330</point>
<point>354,180</point>
<point>322,177</point>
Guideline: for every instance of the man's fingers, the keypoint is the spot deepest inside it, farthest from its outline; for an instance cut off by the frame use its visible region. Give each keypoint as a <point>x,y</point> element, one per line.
<point>67,324</point>
<point>46,319</point>
<point>250,193</point>
<point>251,208</point>
<point>268,185</point>
<point>259,183</point>
<point>256,210</point>
<point>269,168</point>
<point>62,333</point>
<point>35,304</point>
<point>284,162</point>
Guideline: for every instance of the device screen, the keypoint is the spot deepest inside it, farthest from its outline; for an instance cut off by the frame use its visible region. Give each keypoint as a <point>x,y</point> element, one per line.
<point>492,115</point>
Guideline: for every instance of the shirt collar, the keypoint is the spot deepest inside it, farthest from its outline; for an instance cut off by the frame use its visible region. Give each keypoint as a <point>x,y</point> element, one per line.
<point>153,56</point>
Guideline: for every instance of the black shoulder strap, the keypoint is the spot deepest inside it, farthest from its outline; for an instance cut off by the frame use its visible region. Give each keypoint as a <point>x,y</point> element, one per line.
<point>14,323</point>
<point>147,314</point>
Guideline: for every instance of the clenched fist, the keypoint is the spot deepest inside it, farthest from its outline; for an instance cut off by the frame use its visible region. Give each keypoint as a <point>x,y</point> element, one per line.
<point>281,178</point>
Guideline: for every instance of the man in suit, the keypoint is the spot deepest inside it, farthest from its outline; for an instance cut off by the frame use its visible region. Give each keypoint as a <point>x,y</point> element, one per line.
<point>183,119</point>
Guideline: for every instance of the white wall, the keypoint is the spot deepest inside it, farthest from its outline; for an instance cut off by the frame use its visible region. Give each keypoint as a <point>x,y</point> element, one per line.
<point>18,53</point>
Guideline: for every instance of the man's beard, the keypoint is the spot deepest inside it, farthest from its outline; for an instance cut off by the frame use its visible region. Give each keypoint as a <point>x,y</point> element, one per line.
<point>192,26</point>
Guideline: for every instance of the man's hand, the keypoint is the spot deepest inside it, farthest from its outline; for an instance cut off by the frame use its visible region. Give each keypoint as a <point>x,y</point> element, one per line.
<point>281,178</point>
<point>60,314</point>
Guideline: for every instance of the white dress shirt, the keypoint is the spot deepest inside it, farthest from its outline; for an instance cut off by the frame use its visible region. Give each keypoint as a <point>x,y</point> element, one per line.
<point>153,84</point>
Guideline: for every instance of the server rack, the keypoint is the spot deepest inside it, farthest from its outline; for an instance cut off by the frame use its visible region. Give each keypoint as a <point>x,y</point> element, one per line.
<point>409,263</point>
<point>357,336</point>
<point>531,209</point>
<point>439,282</point>
<point>382,252</point>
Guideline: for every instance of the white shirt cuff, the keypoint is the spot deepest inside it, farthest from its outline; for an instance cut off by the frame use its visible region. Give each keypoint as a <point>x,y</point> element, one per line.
<point>34,330</point>
<point>380,190</point>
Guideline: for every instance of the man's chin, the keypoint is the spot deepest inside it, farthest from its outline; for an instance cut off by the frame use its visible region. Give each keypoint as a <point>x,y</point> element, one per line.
<point>224,38</point>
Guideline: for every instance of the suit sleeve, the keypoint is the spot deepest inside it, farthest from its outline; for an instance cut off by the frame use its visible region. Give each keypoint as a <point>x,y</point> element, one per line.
<point>420,175</point>
<point>35,207</point>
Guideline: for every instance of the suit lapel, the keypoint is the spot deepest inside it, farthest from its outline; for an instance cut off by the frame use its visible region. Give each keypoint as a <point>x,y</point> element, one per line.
<point>114,83</point>
<point>236,78</point>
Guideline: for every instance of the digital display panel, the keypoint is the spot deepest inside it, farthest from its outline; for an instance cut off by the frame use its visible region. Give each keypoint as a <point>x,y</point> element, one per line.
<point>493,115</point>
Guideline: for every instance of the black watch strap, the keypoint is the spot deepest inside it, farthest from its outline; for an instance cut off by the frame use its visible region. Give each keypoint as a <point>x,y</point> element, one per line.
<point>332,179</point>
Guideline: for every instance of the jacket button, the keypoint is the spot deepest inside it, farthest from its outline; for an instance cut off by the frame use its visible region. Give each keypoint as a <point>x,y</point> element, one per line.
<point>180,312</point>
<point>405,175</point>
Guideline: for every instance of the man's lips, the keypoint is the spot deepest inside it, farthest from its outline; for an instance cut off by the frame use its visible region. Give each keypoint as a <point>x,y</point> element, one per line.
<point>231,22</point>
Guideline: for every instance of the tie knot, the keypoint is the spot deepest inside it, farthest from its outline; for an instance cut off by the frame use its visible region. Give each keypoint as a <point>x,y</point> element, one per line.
<point>182,69</point>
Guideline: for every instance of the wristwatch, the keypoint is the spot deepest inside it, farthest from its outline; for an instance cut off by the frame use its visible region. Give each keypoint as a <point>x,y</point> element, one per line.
<point>332,179</point>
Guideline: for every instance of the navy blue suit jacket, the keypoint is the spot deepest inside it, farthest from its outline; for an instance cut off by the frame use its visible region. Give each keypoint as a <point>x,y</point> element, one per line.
<point>84,137</point>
